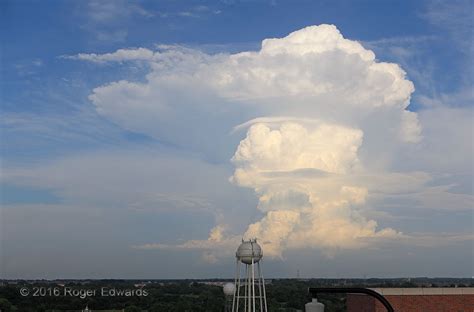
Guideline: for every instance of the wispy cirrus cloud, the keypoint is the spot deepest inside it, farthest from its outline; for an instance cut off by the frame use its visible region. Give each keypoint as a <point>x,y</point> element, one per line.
<point>107,20</point>
<point>454,17</point>
<point>198,11</point>
<point>121,55</point>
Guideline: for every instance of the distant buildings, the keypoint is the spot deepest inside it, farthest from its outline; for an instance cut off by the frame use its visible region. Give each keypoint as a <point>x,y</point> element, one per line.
<point>416,300</point>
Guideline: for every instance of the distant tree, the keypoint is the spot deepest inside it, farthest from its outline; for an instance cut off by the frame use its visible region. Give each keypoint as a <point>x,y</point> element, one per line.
<point>133,308</point>
<point>6,306</point>
<point>159,307</point>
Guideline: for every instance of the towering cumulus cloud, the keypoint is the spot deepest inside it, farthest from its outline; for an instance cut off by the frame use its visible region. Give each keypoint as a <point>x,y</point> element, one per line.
<point>323,121</point>
<point>299,173</point>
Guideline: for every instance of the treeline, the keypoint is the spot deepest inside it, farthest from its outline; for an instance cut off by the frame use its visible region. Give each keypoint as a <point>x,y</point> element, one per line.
<point>179,296</point>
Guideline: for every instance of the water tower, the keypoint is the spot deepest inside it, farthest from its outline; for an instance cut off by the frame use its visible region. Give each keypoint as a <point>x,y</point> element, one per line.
<point>229,290</point>
<point>249,293</point>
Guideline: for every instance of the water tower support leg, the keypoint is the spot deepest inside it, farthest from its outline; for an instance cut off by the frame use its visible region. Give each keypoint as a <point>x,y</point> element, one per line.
<point>263,283</point>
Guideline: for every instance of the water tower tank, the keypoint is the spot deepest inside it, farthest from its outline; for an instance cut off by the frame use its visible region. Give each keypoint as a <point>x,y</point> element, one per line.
<point>248,251</point>
<point>229,289</point>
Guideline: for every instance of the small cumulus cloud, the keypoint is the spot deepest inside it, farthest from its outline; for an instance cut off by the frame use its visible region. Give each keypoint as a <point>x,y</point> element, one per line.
<point>219,244</point>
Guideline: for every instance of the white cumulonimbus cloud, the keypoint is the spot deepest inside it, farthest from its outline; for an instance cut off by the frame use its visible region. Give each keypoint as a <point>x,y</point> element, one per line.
<point>324,120</point>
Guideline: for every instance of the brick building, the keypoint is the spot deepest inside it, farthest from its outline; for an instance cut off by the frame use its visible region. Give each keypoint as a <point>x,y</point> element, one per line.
<point>415,300</point>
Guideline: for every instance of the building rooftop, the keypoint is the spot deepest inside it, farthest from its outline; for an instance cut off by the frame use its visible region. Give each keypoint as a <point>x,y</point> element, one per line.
<point>425,291</point>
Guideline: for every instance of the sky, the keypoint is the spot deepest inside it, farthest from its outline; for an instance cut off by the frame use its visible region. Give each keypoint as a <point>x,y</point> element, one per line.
<point>146,139</point>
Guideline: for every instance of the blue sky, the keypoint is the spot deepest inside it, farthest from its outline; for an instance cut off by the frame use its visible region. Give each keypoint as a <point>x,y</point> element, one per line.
<point>40,82</point>
<point>93,162</point>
